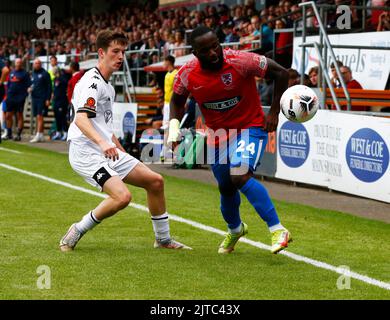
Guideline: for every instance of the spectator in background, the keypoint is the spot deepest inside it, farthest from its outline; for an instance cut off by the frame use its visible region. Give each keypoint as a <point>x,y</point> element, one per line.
<point>169,64</point>
<point>60,104</point>
<point>293,77</point>
<point>238,15</point>
<point>376,13</point>
<point>348,79</point>
<point>254,30</point>
<point>5,70</point>
<point>40,96</point>
<point>351,83</point>
<point>76,75</point>
<point>313,75</point>
<point>283,47</point>
<point>228,30</point>
<point>53,68</point>
<point>4,76</point>
<point>17,87</point>
<point>306,80</point>
<point>335,79</point>
<point>384,21</point>
<point>179,42</point>
<point>223,11</point>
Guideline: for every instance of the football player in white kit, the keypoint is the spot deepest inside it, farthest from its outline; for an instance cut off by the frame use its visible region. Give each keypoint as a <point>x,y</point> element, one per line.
<point>96,154</point>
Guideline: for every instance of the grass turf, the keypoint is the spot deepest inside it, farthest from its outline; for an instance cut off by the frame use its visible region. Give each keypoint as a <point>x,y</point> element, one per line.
<point>117,261</point>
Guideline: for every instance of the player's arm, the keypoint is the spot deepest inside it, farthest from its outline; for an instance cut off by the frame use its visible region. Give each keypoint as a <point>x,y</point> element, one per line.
<point>280,76</point>
<point>117,143</point>
<point>84,124</point>
<point>86,110</point>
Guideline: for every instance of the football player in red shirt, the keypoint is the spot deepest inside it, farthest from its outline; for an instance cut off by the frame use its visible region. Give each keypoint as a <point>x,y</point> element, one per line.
<point>223,84</point>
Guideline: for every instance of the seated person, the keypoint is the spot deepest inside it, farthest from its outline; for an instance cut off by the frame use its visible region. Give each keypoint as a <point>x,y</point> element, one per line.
<point>313,76</point>
<point>352,84</point>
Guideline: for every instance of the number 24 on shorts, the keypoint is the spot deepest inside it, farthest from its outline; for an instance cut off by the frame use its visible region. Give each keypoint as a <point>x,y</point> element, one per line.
<point>250,147</point>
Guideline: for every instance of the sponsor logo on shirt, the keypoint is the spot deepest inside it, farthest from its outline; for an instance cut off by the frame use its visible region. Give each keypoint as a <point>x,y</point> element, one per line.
<point>222,105</point>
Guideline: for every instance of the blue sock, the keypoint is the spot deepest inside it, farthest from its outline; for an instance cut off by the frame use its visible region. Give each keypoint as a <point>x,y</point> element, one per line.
<point>9,132</point>
<point>258,196</point>
<point>230,210</point>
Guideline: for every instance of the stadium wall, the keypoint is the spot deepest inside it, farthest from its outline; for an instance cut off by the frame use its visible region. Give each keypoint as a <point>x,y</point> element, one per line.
<point>338,150</point>
<point>370,67</point>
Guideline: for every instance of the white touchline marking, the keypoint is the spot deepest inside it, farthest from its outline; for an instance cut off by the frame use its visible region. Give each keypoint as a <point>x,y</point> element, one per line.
<point>316,263</point>
<point>10,150</point>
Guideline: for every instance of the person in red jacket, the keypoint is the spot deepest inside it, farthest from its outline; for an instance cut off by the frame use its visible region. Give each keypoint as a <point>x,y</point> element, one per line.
<point>76,76</point>
<point>351,84</point>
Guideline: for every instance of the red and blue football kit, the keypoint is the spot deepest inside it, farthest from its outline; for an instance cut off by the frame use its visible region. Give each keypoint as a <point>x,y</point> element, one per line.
<point>228,99</point>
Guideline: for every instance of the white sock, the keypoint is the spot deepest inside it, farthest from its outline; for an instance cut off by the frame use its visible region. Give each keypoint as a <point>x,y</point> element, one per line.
<point>276,227</point>
<point>235,230</point>
<point>161,227</point>
<point>87,222</point>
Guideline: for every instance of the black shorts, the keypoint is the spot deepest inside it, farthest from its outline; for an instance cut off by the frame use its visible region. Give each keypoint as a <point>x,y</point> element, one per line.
<point>13,106</point>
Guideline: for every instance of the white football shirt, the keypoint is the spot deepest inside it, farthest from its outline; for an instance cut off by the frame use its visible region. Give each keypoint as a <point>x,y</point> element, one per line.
<point>94,95</point>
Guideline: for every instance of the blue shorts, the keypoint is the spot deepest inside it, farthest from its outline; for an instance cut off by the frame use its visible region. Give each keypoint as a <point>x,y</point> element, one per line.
<point>38,107</point>
<point>14,106</point>
<point>244,152</point>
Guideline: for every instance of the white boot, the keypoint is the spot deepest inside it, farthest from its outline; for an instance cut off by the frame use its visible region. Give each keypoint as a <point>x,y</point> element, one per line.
<point>38,138</point>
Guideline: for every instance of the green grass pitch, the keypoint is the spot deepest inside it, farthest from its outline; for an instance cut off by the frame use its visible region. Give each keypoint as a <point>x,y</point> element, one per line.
<point>116,260</point>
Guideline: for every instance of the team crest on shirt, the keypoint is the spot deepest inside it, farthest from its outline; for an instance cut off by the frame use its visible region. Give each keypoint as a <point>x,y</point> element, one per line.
<point>108,116</point>
<point>227,79</point>
<point>90,104</point>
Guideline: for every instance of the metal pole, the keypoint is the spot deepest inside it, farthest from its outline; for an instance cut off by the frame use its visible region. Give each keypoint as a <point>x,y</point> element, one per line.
<point>364,19</point>
<point>327,78</point>
<point>328,44</point>
<point>303,57</point>
<point>325,69</point>
<point>320,71</point>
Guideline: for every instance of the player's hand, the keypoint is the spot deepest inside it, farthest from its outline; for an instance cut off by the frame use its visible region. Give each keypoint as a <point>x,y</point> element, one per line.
<point>271,122</point>
<point>47,103</point>
<point>109,151</point>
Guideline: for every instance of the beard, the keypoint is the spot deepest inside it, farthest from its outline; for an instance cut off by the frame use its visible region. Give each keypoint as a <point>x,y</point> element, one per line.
<point>205,64</point>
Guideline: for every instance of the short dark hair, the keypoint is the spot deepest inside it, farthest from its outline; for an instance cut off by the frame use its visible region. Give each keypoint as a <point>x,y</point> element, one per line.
<point>75,66</point>
<point>53,56</point>
<point>106,37</point>
<point>171,59</point>
<point>339,63</point>
<point>198,32</point>
<point>348,69</point>
<point>292,73</point>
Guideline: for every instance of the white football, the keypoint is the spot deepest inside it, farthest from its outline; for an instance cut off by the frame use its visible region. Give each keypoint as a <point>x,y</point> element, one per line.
<point>299,103</point>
